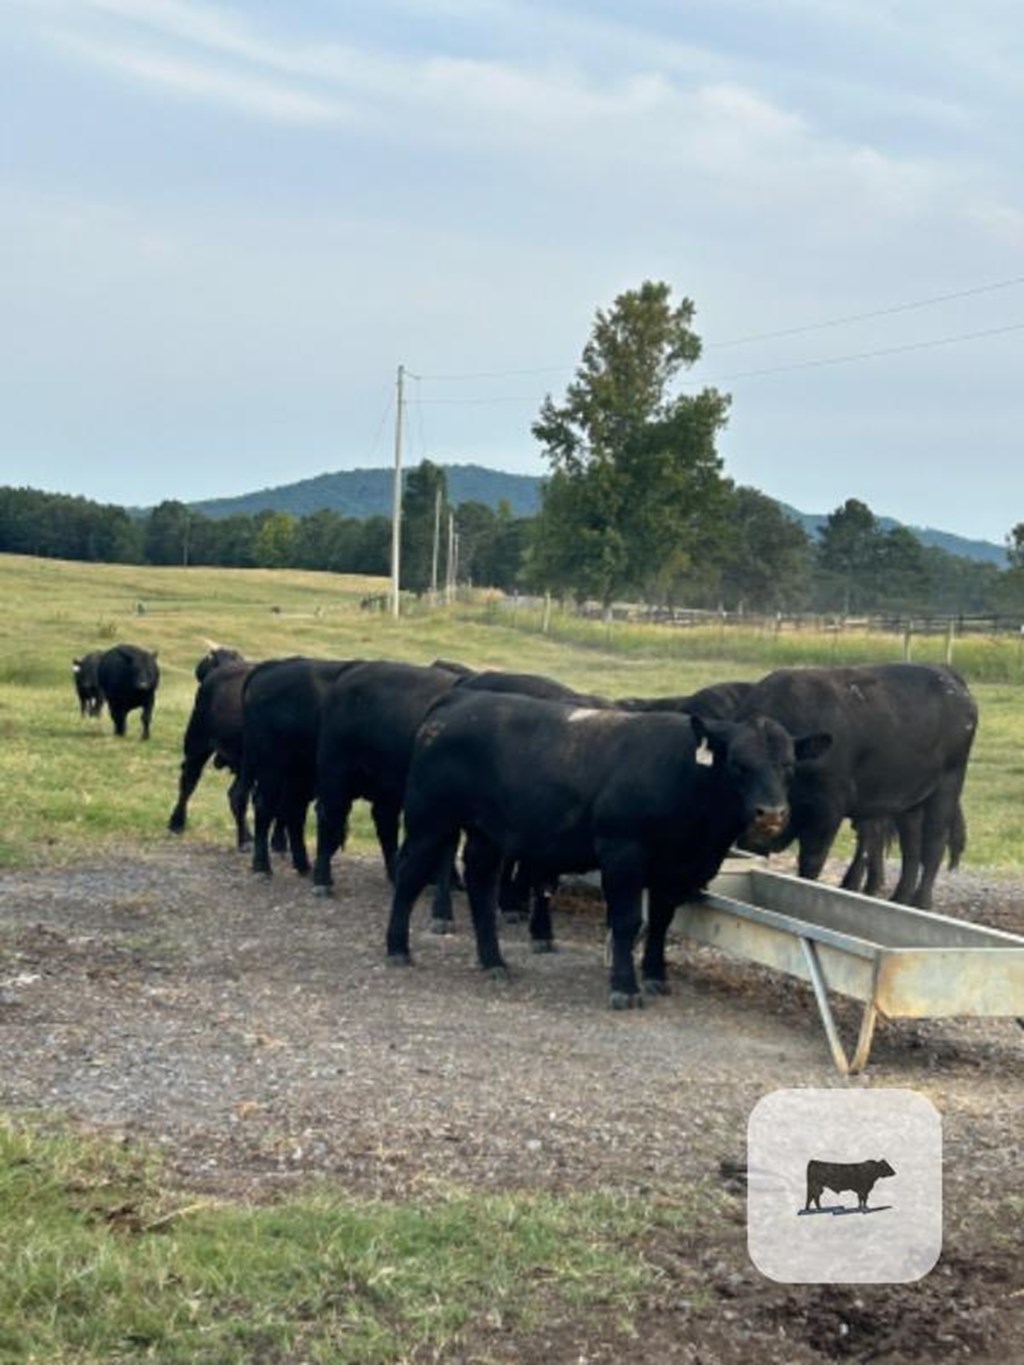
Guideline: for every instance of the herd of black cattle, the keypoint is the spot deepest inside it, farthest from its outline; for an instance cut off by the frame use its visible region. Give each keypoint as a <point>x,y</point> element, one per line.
<point>537,780</point>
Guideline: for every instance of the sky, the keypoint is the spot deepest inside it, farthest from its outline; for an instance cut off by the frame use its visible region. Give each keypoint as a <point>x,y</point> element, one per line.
<point>223,227</point>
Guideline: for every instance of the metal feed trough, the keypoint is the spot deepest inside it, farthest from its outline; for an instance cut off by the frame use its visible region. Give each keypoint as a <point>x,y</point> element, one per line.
<point>901,963</point>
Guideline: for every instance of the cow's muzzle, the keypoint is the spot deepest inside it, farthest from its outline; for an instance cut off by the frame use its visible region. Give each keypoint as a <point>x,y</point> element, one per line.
<point>769,822</point>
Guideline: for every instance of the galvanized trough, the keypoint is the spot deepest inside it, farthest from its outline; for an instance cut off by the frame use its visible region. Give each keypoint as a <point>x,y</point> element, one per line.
<point>899,962</point>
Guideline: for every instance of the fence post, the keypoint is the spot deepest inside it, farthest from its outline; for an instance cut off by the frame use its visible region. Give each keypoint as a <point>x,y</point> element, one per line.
<point>907,634</point>
<point>546,622</point>
<point>950,637</point>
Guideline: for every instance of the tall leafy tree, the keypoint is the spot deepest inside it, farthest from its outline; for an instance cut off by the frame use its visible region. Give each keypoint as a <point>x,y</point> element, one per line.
<point>767,557</point>
<point>424,485</point>
<point>636,498</point>
<point>847,555</point>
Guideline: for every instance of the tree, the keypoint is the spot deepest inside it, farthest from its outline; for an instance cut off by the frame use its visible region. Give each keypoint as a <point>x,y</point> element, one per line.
<point>636,498</point>
<point>424,485</point>
<point>1015,546</point>
<point>767,557</point>
<point>847,552</point>
<point>165,536</point>
<point>275,540</point>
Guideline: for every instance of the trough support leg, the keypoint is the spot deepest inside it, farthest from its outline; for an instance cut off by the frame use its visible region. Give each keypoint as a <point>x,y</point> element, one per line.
<point>867,1032</point>
<point>824,1008</point>
<point>844,1065</point>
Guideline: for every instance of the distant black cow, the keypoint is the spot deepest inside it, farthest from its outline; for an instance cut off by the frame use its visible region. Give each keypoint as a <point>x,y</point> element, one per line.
<point>837,1176</point>
<point>529,685</point>
<point>371,713</point>
<point>652,800</point>
<point>902,735</point>
<point>281,706</point>
<point>128,678</point>
<point>86,673</point>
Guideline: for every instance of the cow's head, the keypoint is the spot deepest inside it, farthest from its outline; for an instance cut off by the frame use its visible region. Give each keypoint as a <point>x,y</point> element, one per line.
<point>214,657</point>
<point>758,760</point>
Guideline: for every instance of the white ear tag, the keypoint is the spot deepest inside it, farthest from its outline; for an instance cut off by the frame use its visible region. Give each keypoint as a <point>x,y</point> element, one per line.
<point>704,755</point>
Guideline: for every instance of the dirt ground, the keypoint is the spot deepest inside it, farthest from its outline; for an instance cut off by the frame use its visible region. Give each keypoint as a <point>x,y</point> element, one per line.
<point>255,1034</point>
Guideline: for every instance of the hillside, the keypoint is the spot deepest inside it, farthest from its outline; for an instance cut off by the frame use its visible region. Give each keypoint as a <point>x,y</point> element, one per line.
<point>367,493</point>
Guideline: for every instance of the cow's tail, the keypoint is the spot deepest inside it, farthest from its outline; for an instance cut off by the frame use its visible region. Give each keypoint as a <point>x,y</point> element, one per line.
<point>957,837</point>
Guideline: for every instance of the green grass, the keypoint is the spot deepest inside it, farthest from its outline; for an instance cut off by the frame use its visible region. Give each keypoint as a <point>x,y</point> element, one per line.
<point>102,1263</point>
<point>70,787</point>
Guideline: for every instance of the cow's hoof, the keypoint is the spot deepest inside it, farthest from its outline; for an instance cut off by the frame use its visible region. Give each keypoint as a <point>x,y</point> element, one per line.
<point>399,959</point>
<point>324,892</point>
<point>543,945</point>
<point>442,926</point>
<point>654,986</point>
<point>263,873</point>
<point>500,975</point>
<point>626,1000</point>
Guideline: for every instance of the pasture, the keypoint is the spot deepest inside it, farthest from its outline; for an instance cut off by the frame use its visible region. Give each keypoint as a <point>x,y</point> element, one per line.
<point>233,1135</point>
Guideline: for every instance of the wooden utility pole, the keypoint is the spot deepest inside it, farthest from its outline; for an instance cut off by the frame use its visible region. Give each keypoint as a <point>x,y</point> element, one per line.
<point>396,502</point>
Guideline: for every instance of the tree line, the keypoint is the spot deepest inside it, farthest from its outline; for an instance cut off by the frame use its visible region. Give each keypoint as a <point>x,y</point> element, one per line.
<point>636,507</point>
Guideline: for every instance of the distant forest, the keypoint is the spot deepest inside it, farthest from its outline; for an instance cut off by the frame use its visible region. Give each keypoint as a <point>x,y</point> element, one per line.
<point>759,559</point>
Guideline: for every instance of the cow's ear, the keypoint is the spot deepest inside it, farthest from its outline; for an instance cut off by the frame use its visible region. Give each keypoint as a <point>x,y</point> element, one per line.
<point>811,747</point>
<point>714,733</point>
<point>76,664</point>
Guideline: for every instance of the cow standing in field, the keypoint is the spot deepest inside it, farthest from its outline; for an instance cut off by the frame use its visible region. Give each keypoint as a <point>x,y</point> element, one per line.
<point>902,736</point>
<point>281,707</point>
<point>653,800</point>
<point>86,673</point>
<point>128,678</point>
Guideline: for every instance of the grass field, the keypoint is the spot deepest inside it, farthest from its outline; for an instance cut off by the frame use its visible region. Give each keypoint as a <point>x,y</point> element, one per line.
<point>103,1259</point>
<point>69,786</point>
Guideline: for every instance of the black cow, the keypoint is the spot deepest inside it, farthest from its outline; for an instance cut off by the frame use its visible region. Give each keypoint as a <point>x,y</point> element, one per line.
<point>651,800</point>
<point>719,701</point>
<point>86,673</point>
<point>214,730</point>
<point>214,657</point>
<point>902,735</point>
<point>281,705</point>
<point>371,714</point>
<point>128,678</point>
<point>837,1176</point>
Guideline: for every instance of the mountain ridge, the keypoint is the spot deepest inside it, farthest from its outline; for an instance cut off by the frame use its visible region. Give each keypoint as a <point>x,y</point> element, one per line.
<point>362,493</point>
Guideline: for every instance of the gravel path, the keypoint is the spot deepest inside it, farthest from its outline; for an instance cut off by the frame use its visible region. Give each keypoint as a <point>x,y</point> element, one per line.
<point>255,1034</point>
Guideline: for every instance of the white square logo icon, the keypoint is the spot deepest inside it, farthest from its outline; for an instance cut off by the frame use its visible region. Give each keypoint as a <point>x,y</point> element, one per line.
<point>844,1186</point>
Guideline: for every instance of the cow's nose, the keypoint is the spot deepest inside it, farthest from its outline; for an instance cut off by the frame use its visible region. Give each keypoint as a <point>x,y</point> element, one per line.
<point>770,819</point>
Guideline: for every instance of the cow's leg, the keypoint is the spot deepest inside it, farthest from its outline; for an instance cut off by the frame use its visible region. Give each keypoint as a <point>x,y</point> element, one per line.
<point>118,717</point>
<point>147,715</point>
<point>653,972</point>
<point>542,933</point>
<point>482,864</point>
<point>622,879</point>
<point>386,814</point>
<point>417,862</point>
<point>266,806</point>
<point>514,889</point>
<point>910,826</point>
<point>333,808</point>
<point>191,770</point>
<point>441,917</point>
<point>815,842</point>
<point>295,810</point>
<point>940,817</point>
<point>238,800</point>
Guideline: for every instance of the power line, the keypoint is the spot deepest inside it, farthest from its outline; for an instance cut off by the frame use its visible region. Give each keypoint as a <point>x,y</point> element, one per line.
<point>868,355</point>
<point>776,334</point>
<point>863,317</point>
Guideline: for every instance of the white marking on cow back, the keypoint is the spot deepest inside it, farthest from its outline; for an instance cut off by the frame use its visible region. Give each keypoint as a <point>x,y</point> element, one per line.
<point>584,713</point>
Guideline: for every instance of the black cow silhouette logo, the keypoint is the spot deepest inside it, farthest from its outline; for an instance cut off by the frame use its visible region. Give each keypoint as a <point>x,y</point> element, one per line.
<point>838,1176</point>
